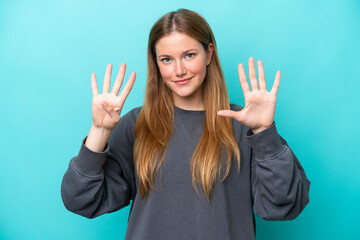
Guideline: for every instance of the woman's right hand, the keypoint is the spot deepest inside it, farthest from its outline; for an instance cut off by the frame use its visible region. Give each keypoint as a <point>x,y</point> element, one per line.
<point>107,106</point>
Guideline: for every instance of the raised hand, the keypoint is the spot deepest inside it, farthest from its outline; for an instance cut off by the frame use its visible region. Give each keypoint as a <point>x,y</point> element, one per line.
<point>258,113</point>
<point>106,107</point>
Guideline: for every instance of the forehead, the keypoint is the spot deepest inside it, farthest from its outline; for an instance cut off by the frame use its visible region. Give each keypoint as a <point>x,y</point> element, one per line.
<point>176,42</point>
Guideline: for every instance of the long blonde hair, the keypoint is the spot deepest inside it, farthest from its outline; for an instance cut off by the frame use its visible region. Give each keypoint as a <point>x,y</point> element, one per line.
<point>154,125</point>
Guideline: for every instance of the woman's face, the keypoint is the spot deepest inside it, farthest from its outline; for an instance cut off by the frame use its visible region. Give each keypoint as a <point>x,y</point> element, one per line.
<point>182,61</point>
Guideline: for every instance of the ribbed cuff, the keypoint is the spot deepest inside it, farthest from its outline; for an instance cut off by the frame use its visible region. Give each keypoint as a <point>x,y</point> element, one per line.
<point>89,162</point>
<point>266,144</point>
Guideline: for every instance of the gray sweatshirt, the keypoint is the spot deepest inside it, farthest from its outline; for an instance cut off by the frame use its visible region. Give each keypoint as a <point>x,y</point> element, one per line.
<point>271,183</point>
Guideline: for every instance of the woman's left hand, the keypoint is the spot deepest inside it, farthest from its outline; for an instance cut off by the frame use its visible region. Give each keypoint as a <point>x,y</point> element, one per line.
<point>258,113</point>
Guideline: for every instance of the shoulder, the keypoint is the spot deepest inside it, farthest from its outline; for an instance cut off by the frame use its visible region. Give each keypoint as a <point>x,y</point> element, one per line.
<point>235,107</point>
<point>132,115</point>
<point>125,127</point>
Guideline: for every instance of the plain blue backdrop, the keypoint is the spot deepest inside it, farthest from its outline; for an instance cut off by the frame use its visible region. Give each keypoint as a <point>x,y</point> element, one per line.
<point>48,50</point>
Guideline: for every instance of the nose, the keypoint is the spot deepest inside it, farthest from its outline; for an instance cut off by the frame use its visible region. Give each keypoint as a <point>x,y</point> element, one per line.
<point>180,69</point>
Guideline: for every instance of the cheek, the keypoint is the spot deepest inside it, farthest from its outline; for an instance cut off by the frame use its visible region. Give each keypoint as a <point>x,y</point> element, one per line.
<point>165,72</point>
<point>199,66</point>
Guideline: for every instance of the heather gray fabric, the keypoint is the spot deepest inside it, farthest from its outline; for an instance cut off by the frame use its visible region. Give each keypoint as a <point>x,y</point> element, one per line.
<point>271,182</point>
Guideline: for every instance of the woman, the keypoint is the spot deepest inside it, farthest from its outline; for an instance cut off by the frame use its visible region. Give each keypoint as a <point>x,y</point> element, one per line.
<point>193,165</point>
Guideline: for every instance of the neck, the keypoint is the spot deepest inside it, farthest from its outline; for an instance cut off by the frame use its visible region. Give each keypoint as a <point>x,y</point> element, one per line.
<point>189,103</point>
<point>190,106</point>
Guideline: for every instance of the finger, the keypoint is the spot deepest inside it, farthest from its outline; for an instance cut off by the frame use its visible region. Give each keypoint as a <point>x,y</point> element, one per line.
<point>252,74</point>
<point>119,79</point>
<point>94,87</point>
<point>243,82</point>
<point>114,115</point>
<point>106,85</point>
<point>125,92</point>
<point>276,85</point>
<point>262,82</point>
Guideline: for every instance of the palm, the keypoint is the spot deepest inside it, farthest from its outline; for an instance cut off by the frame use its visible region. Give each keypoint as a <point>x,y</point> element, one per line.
<point>259,111</point>
<point>99,115</point>
<point>106,107</point>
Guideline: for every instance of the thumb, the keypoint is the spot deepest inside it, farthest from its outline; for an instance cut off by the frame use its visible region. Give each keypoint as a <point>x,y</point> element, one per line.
<point>227,113</point>
<point>113,114</point>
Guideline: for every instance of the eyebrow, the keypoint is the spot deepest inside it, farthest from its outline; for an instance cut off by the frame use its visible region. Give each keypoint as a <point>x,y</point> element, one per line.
<point>190,50</point>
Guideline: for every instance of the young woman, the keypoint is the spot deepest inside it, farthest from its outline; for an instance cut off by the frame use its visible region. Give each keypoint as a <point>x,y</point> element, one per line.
<point>194,166</point>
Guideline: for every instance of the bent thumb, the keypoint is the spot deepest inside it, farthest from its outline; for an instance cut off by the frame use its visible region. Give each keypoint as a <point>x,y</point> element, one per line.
<point>113,114</point>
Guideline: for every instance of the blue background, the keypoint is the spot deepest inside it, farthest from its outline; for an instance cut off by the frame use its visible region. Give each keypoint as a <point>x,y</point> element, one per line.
<point>48,50</point>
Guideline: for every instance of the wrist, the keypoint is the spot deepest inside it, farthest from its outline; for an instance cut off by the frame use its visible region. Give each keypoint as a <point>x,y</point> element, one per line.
<point>260,129</point>
<point>100,130</point>
<point>97,138</point>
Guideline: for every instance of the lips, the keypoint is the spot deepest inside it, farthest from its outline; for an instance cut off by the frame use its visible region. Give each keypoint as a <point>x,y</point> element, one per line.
<point>183,81</point>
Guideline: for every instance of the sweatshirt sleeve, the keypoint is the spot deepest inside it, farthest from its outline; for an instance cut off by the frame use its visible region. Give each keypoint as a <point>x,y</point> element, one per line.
<point>101,182</point>
<point>279,185</point>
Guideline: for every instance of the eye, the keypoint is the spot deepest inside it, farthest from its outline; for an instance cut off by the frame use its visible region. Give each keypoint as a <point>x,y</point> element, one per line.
<point>190,55</point>
<point>165,60</point>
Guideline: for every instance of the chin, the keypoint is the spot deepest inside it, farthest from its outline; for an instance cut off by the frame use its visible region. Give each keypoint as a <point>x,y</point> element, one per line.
<point>184,94</point>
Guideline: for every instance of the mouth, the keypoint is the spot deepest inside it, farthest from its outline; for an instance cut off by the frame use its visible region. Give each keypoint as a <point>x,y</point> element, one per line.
<point>182,81</point>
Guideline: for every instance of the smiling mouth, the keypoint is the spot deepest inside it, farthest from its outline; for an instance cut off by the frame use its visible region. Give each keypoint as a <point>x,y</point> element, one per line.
<point>183,81</point>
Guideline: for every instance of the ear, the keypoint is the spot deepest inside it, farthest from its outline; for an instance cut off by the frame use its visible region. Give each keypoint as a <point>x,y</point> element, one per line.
<point>209,53</point>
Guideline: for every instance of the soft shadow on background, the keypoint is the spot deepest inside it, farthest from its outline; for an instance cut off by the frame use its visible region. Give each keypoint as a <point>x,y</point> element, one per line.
<point>48,50</point>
